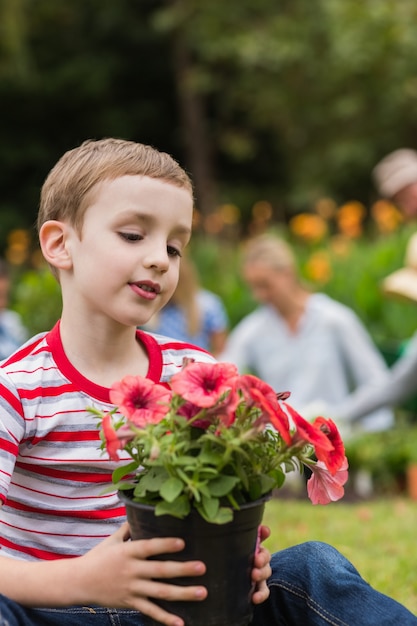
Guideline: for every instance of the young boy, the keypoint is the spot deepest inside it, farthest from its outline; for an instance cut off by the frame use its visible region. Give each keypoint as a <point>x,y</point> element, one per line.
<point>114,219</point>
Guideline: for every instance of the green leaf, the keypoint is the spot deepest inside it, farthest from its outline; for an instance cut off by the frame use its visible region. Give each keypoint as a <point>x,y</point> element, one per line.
<point>210,506</point>
<point>186,460</point>
<point>278,477</point>
<point>121,472</point>
<point>222,485</point>
<point>267,483</point>
<point>210,457</point>
<point>179,508</point>
<point>153,479</point>
<point>171,489</point>
<point>223,515</point>
<point>140,490</point>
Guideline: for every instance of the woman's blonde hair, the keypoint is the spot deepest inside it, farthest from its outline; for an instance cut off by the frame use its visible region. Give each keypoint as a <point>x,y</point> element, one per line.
<point>185,297</point>
<point>269,250</point>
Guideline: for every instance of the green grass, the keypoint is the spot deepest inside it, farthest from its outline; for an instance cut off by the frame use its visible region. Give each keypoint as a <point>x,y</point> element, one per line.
<point>378,537</point>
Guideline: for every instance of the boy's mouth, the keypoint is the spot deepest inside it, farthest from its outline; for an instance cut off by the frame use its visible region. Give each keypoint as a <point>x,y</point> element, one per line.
<point>146,287</point>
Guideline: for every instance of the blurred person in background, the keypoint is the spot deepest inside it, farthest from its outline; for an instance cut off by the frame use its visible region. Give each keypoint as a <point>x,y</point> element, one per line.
<point>302,342</point>
<point>395,178</point>
<point>12,331</point>
<point>399,383</point>
<point>193,314</point>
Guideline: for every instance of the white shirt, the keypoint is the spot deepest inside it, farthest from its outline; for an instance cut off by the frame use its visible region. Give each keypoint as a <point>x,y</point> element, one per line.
<point>329,356</point>
<point>390,389</point>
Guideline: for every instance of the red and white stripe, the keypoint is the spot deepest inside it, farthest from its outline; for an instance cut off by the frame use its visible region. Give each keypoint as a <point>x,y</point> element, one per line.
<point>53,475</point>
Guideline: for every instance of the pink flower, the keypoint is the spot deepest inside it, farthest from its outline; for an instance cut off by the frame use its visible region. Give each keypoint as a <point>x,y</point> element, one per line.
<point>204,384</point>
<point>332,458</point>
<point>140,400</point>
<point>277,416</point>
<point>323,487</point>
<point>308,433</point>
<point>247,383</point>
<point>113,443</point>
<point>189,411</point>
<point>211,422</point>
<point>324,436</point>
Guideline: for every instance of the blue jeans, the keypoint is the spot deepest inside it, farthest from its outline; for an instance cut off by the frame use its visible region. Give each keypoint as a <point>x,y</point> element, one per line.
<point>312,584</point>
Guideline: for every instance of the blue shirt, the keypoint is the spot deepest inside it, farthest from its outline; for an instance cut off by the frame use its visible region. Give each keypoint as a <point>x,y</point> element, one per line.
<point>172,322</point>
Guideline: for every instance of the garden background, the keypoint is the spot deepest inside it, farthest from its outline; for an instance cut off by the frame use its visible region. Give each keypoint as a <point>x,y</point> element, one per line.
<point>278,108</point>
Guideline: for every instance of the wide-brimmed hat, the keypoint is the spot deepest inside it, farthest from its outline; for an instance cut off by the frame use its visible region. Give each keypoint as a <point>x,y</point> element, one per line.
<point>395,171</point>
<point>403,282</point>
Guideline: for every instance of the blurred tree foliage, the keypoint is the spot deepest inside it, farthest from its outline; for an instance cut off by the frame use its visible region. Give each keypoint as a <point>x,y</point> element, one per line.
<point>285,101</point>
<point>70,71</point>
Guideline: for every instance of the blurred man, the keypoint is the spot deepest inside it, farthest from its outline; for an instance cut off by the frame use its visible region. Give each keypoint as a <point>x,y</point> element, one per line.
<point>395,178</point>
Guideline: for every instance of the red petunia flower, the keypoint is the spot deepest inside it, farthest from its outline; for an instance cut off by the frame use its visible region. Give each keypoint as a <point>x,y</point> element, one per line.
<point>189,411</point>
<point>324,487</point>
<point>308,433</point>
<point>140,400</point>
<point>220,437</point>
<point>277,416</point>
<point>113,443</point>
<point>247,383</point>
<point>204,384</point>
<point>332,458</point>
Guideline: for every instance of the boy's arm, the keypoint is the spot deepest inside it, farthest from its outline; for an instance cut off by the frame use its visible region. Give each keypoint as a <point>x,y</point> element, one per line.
<point>115,573</point>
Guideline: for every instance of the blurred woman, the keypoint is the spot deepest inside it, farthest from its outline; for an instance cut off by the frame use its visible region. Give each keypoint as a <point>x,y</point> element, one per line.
<point>302,342</point>
<point>193,314</point>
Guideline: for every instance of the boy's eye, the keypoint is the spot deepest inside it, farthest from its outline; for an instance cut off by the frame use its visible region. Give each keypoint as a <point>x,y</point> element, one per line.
<point>173,251</point>
<point>131,236</point>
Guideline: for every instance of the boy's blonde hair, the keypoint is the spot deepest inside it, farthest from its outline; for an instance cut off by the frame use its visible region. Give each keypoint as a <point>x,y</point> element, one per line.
<point>67,188</point>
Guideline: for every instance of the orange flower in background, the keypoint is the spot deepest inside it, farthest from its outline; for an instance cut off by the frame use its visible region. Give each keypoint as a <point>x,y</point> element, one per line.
<point>308,226</point>
<point>350,217</point>
<point>230,213</point>
<point>18,248</point>
<point>341,246</point>
<point>318,267</point>
<point>386,216</point>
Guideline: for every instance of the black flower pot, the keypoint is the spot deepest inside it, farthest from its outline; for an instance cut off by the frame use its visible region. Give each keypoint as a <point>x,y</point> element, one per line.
<point>227,550</point>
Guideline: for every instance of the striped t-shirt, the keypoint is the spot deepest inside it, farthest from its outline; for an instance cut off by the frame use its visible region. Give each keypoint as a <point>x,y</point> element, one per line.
<point>53,475</point>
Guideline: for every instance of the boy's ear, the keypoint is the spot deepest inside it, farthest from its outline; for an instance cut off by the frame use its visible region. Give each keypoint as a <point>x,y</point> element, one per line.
<point>53,237</point>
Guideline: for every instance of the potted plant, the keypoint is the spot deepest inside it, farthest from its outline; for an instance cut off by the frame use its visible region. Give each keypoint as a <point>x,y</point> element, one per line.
<point>206,452</point>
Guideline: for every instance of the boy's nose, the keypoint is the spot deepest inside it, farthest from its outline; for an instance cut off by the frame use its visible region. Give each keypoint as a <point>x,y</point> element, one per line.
<point>158,258</point>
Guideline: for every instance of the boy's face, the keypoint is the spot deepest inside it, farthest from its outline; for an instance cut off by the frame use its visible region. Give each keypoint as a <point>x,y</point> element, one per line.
<point>126,262</point>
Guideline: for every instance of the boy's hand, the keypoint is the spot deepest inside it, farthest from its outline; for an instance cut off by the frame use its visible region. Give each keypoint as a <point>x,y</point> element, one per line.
<point>261,569</point>
<point>116,573</point>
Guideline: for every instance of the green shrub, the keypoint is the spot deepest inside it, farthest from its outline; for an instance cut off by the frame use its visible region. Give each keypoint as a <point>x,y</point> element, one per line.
<point>385,455</point>
<point>37,298</point>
